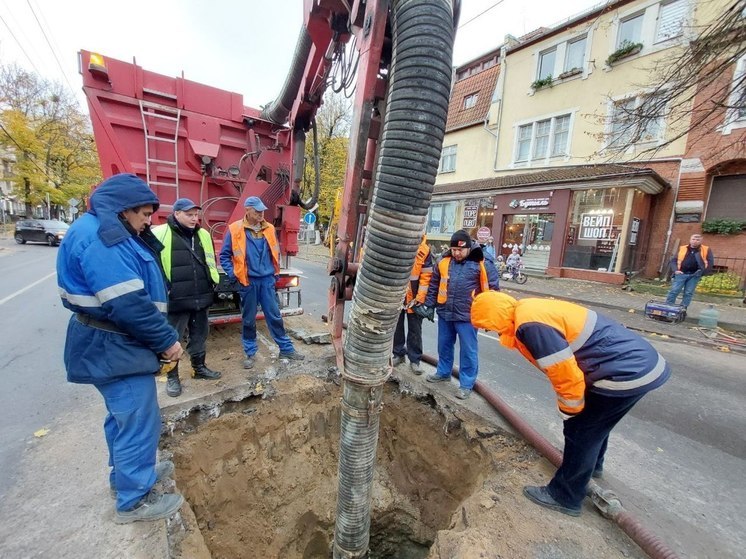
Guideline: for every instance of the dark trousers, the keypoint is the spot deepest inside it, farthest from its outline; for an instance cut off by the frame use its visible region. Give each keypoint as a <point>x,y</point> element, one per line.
<point>586,438</point>
<point>195,326</point>
<point>411,343</point>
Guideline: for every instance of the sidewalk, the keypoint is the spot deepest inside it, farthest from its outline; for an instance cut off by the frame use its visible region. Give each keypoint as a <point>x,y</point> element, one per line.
<point>625,306</point>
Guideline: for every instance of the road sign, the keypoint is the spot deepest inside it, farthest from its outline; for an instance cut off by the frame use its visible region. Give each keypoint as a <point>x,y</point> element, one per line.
<point>309,218</point>
<point>73,210</point>
<point>483,234</point>
<point>73,202</point>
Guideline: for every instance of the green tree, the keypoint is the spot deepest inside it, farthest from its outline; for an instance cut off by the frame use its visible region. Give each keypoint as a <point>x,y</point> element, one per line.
<point>332,128</point>
<point>42,125</point>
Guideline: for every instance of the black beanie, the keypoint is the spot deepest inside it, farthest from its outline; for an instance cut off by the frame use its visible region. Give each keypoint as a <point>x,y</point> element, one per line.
<point>461,239</point>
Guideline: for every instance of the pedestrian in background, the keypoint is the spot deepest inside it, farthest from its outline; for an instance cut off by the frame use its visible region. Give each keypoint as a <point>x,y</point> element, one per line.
<point>461,272</point>
<point>599,369</point>
<point>250,256</point>
<point>489,248</point>
<point>108,275</point>
<point>188,260</point>
<point>691,263</point>
<point>410,344</point>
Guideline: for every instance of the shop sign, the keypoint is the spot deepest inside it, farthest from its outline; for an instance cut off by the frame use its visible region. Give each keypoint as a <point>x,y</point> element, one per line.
<point>483,234</point>
<point>634,230</point>
<point>688,218</point>
<point>596,227</point>
<point>529,203</point>
<point>471,209</point>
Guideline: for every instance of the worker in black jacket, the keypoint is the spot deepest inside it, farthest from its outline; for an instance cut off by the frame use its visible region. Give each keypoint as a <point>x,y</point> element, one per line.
<point>188,260</point>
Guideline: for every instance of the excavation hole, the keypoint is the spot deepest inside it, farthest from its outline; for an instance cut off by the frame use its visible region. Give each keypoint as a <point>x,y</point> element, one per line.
<point>261,479</point>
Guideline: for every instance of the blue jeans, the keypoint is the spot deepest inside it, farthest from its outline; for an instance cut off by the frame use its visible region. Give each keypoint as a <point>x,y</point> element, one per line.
<point>687,282</point>
<point>586,439</point>
<point>468,354</point>
<point>132,429</point>
<point>262,291</point>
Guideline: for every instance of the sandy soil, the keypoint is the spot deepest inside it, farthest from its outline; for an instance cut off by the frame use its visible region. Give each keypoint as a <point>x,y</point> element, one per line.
<point>260,475</point>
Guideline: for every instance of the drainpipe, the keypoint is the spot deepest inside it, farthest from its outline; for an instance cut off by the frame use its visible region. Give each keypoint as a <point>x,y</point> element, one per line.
<point>605,500</point>
<point>501,80</point>
<point>409,153</point>
<point>670,221</point>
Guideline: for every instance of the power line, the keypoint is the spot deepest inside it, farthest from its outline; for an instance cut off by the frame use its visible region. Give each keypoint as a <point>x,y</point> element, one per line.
<point>54,53</point>
<point>12,139</point>
<point>19,44</point>
<point>481,14</point>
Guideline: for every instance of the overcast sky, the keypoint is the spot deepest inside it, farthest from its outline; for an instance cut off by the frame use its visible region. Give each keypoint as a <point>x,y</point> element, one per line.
<point>240,45</point>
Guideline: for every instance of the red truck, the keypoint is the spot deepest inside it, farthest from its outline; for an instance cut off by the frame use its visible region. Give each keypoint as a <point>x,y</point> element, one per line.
<point>192,140</point>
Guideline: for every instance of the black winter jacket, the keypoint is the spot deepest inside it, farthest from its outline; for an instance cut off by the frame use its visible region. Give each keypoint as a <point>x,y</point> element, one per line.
<point>191,288</point>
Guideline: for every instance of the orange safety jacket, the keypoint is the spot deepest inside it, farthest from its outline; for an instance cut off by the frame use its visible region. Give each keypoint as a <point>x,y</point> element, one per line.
<point>422,273</point>
<point>238,245</point>
<point>443,268</point>
<point>575,347</point>
<point>704,251</point>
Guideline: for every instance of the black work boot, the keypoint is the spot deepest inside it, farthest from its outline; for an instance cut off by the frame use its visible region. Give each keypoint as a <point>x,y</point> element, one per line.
<point>173,384</point>
<point>202,371</point>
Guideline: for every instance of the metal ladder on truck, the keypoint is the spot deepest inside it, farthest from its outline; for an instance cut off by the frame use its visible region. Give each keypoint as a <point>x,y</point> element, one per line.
<point>168,118</point>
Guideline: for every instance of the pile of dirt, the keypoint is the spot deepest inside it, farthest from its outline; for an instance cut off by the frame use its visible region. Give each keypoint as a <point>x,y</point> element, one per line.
<point>261,481</point>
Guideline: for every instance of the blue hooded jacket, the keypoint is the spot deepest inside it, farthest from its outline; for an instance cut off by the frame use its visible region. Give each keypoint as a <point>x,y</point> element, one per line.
<point>109,274</point>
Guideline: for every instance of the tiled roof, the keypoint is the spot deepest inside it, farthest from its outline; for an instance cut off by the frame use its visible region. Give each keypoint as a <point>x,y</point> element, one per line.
<point>483,84</point>
<point>547,177</point>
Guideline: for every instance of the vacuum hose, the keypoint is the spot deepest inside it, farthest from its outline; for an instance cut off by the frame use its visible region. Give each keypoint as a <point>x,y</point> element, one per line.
<point>409,153</point>
<point>606,501</point>
<point>278,111</point>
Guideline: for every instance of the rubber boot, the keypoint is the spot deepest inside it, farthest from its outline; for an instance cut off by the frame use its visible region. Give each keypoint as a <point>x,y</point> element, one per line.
<point>173,384</point>
<point>202,371</point>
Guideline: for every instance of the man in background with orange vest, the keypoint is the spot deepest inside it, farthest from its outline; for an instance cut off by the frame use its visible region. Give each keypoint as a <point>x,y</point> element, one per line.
<point>463,272</point>
<point>691,263</point>
<point>419,281</point>
<point>598,368</point>
<point>250,256</point>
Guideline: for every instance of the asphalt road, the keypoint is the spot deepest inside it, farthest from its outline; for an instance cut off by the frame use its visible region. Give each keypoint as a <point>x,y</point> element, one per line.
<point>677,460</point>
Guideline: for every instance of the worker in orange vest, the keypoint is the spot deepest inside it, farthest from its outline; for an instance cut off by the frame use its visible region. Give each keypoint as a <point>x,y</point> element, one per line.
<point>419,280</point>
<point>691,263</point>
<point>251,258</point>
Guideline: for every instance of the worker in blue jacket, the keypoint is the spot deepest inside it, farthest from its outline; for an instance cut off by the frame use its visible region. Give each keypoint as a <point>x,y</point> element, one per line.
<point>109,276</point>
<point>462,272</point>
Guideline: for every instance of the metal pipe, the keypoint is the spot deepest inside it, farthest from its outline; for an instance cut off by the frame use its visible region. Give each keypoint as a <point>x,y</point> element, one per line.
<point>609,505</point>
<point>414,127</point>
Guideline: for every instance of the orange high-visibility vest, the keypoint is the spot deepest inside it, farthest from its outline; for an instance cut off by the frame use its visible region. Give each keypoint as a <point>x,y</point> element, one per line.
<point>704,251</point>
<point>443,267</point>
<point>419,274</point>
<point>238,245</point>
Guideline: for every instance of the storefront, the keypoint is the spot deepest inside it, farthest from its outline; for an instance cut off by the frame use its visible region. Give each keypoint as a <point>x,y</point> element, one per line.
<point>589,222</point>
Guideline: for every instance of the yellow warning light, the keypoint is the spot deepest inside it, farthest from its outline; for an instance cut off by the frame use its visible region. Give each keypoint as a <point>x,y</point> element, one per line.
<point>97,66</point>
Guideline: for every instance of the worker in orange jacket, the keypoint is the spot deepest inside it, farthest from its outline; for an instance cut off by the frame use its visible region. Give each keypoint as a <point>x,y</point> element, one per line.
<point>599,371</point>
<point>691,263</point>
<point>419,281</point>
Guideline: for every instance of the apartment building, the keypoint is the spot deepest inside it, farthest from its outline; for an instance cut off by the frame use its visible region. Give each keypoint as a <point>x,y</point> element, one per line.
<point>585,155</point>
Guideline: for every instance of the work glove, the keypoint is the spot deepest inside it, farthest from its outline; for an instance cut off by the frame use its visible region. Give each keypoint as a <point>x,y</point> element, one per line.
<point>565,416</point>
<point>424,311</point>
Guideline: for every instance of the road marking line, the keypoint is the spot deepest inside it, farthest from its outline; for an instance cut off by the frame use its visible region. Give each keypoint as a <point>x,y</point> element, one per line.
<point>17,293</point>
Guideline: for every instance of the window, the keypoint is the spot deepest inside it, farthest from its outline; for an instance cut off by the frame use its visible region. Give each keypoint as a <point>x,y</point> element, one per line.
<point>441,218</point>
<point>727,198</point>
<point>470,100</point>
<point>636,120</point>
<point>670,20</point>
<point>630,31</point>
<point>540,140</point>
<point>546,63</point>
<point>575,54</point>
<point>447,159</point>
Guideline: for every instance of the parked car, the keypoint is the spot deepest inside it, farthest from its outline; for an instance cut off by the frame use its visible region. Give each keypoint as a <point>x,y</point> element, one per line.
<point>50,231</point>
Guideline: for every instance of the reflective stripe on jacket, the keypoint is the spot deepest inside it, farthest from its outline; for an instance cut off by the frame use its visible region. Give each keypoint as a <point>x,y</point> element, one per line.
<point>238,246</point>
<point>444,267</point>
<point>165,235</point>
<point>576,347</point>
<point>422,273</point>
